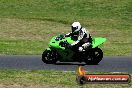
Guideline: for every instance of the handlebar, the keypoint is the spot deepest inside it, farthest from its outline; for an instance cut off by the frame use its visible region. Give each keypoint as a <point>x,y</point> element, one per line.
<point>60,37</point>
<point>64,44</point>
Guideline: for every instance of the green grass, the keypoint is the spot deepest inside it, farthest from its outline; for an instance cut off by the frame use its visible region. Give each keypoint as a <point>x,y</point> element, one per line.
<point>26,26</point>
<point>51,78</point>
<point>27,36</point>
<point>21,47</point>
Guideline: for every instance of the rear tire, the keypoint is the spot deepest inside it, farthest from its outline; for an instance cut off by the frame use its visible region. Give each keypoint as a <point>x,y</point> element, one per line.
<point>94,57</point>
<point>49,57</point>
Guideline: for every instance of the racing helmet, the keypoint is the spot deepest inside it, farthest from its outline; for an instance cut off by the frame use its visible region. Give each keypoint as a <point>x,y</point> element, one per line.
<point>76,26</point>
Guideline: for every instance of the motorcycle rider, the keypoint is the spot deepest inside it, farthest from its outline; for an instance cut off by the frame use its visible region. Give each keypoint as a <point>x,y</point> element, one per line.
<point>80,35</point>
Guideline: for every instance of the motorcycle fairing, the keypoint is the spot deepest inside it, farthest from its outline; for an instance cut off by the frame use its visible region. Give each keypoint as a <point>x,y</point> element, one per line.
<point>95,42</point>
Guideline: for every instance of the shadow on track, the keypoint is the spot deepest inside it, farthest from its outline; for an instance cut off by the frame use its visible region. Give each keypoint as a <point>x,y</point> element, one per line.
<point>70,63</point>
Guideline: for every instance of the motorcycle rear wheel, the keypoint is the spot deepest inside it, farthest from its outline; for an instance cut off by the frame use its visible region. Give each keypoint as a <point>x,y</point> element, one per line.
<point>94,57</point>
<point>49,57</point>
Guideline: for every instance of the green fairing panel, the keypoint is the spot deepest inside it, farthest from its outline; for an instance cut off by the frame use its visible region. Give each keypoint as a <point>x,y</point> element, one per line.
<point>55,43</point>
<point>98,41</point>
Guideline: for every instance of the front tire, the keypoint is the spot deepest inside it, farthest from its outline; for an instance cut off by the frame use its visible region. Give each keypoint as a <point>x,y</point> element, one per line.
<point>49,57</point>
<point>94,57</point>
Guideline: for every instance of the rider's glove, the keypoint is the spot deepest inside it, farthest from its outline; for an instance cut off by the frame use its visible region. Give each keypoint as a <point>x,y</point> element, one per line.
<point>80,49</point>
<point>86,45</point>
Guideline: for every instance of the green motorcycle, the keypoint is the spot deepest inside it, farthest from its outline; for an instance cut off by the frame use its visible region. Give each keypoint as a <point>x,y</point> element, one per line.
<point>58,51</point>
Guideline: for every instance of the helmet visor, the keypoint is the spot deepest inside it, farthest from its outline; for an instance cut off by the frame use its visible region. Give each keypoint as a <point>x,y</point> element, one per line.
<point>74,29</point>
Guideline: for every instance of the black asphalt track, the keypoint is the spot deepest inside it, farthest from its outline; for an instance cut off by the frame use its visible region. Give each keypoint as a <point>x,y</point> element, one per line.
<point>34,62</point>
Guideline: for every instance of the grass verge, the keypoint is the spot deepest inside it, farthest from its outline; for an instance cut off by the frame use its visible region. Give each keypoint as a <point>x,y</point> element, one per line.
<point>50,79</point>
<point>26,27</point>
<point>23,36</point>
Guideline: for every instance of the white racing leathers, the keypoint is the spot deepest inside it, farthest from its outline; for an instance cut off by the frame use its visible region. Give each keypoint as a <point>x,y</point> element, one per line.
<point>82,35</point>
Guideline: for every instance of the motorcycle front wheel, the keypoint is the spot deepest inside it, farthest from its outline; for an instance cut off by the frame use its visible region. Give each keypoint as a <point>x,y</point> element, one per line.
<point>49,57</point>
